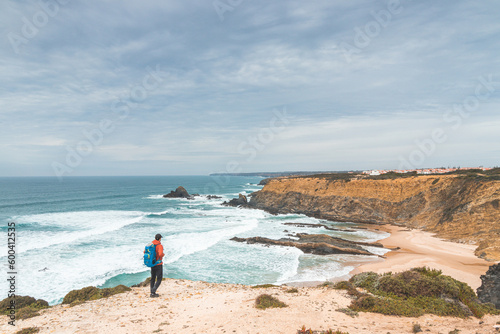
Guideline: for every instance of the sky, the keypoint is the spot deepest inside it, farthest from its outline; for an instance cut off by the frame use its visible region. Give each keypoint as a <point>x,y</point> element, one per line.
<point>192,87</point>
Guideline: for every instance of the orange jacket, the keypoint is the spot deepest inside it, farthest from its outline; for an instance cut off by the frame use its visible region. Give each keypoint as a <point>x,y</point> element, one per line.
<point>159,251</point>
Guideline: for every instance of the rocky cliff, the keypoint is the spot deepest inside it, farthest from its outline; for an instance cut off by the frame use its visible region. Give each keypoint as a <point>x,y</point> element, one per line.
<point>456,207</point>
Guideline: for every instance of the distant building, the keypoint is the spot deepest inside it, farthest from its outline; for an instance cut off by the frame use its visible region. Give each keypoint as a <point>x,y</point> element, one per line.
<point>423,170</point>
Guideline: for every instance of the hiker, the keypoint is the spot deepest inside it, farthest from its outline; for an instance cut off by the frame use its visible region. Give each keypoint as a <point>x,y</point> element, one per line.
<point>157,271</point>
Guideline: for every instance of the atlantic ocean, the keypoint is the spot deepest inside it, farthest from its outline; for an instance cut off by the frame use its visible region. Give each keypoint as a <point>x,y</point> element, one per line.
<point>84,231</point>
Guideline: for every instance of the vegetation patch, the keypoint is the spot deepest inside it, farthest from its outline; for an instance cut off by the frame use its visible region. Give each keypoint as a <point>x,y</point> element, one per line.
<point>303,330</point>
<point>28,330</point>
<point>416,328</point>
<point>265,301</point>
<point>351,289</point>
<point>264,286</point>
<point>348,311</point>
<point>478,174</point>
<point>26,306</point>
<point>76,297</point>
<point>292,290</point>
<point>415,292</point>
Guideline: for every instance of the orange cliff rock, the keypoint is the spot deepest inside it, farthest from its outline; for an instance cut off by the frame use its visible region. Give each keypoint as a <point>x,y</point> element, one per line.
<point>458,208</point>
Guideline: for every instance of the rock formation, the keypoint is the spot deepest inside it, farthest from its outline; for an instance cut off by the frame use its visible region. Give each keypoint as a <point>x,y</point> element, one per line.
<point>326,227</point>
<point>489,291</point>
<point>319,244</point>
<point>456,207</point>
<point>180,192</point>
<point>213,197</point>
<point>240,201</point>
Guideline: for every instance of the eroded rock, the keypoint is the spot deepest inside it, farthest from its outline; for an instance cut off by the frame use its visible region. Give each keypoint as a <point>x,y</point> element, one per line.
<point>319,244</point>
<point>489,291</point>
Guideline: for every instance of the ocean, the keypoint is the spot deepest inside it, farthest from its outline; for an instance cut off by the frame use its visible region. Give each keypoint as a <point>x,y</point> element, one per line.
<point>92,231</point>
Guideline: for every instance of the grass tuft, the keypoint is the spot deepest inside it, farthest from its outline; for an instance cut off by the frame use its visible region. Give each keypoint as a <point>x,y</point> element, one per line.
<point>292,290</point>
<point>76,297</point>
<point>264,286</point>
<point>348,311</point>
<point>28,330</point>
<point>303,330</point>
<point>27,307</point>
<point>265,301</point>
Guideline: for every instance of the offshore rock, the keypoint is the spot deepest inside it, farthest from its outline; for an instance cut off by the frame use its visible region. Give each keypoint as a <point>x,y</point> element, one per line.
<point>489,291</point>
<point>180,192</point>
<point>457,208</point>
<point>213,197</point>
<point>319,244</point>
<point>240,201</point>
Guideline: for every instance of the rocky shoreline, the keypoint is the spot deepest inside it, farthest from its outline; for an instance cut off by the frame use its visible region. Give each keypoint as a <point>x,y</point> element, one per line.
<point>457,208</point>
<point>319,244</point>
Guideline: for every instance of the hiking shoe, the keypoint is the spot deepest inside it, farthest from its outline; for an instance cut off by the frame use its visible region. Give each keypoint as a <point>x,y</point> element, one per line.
<point>154,295</point>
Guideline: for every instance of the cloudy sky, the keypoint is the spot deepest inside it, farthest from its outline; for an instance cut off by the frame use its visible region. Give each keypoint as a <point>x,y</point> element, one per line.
<point>123,87</point>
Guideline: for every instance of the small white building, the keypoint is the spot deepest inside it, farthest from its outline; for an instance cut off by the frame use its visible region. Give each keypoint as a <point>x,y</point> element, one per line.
<point>374,172</point>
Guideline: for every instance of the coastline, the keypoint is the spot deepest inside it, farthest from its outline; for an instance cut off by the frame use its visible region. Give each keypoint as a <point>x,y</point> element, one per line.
<point>418,248</point>
<point>202,307</point>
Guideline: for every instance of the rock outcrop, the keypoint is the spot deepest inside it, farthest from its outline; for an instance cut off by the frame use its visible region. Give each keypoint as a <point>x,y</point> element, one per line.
<point>240,201</point>
<point>326,227</point>
<point>455,207</point>
<point>180,192</point>
<point>213,197</point>
<point>489,291</point>
<point>319,244</point>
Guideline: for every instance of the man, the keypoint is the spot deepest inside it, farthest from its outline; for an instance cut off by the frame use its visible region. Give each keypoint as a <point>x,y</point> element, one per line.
<point>157,271</point>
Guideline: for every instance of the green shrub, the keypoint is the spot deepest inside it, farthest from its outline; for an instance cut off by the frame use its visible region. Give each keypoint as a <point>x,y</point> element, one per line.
<point>428,271</point>
<point>416,292</point>
<point>265,301</point>
<point>368,280</point>
<point>264,286</point>
<point>292,290</point>
<point>29,330</point>
<point>348,311</point>
<point>417,328</point>
<point>303,330</point>
<point>26,313</point>
<point>92,293</point>
<point>351,289</point>
<point>22,302</point>
<point>385,306</point>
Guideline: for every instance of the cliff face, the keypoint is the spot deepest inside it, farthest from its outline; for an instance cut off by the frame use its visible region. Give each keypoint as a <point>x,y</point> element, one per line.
<point>457,208</point>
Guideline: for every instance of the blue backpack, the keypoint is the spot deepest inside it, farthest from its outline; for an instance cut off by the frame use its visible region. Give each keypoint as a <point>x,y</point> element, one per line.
<point>150,256</point>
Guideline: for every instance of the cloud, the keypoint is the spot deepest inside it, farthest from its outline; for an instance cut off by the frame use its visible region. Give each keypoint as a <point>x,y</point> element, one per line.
<point>220,81</point>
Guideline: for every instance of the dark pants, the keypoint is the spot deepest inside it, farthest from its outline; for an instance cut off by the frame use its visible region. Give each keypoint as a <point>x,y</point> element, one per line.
<point>156,277</point>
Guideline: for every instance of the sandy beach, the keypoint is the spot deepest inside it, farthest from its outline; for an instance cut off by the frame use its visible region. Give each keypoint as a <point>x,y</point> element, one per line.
<point>201,307</point>
<point>418,248</point>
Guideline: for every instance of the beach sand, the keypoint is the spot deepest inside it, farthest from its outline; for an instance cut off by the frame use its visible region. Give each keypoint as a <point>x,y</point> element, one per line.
<point>419,248</point>
<point>200,307</point>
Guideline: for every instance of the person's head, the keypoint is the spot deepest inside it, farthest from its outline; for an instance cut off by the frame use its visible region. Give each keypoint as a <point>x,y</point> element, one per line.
<point>158,237</point>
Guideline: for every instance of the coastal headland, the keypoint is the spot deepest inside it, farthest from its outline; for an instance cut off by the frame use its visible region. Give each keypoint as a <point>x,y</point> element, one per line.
<point>463,208</point>
<point>447,222</point>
